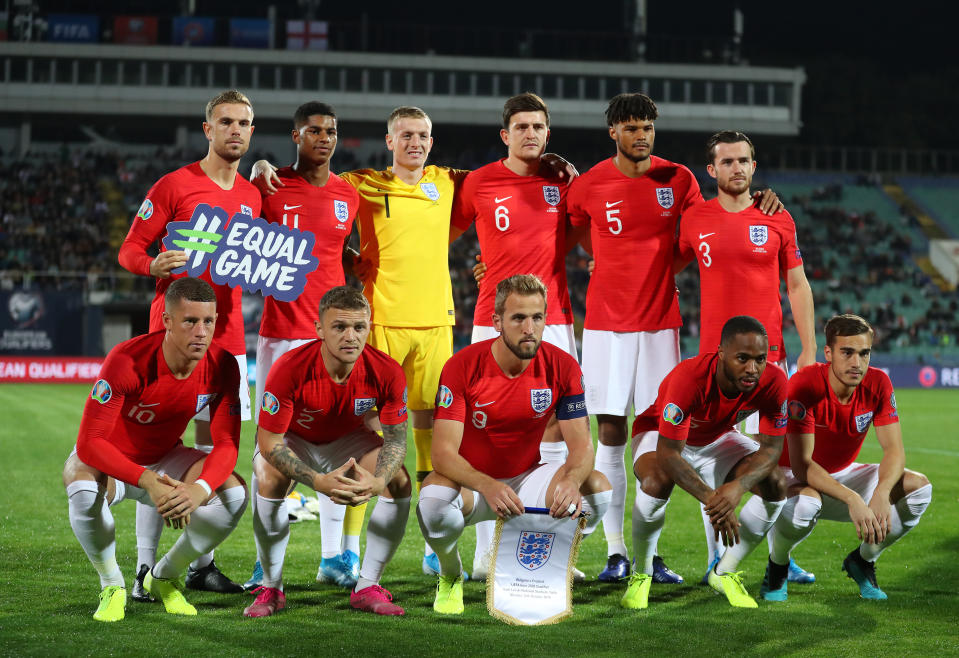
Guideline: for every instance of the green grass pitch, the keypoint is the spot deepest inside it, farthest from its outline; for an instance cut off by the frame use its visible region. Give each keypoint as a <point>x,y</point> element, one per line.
<point>50,590</point>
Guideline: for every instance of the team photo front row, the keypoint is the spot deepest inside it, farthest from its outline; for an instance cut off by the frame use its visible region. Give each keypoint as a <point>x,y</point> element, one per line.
<point>332,415</point>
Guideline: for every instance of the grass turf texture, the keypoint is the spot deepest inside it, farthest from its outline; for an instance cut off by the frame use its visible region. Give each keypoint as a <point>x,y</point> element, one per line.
<point>50,589</point>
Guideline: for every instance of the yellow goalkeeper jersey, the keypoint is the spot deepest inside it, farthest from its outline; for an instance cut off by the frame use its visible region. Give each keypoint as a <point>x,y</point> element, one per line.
<point>404,232</point>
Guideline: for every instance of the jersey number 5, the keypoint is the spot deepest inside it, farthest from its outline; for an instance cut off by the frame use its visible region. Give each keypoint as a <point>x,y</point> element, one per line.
<point>616,224</point>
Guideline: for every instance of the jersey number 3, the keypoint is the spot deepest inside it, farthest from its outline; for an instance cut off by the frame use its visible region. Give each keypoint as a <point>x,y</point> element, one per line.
<point>704,250</point>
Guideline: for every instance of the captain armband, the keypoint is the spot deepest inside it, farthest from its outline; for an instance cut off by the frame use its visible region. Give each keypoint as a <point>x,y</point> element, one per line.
<point>571,406</point>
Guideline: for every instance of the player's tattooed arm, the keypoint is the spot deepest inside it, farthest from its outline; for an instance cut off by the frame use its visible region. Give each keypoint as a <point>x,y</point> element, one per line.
<point>759,464</point>
<point>393,452</point>
<point>286,462</point>
<point>669,452</point>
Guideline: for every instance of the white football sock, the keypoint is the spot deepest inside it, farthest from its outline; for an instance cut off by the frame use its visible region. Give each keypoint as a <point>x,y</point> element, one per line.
<point>795,523</point>
<point>553,453</point>
<point>149,527</point>
<point>209,525</point>
<point>441,520</point>
<point>484,541</point>
<point>609,462</point>
<point>93,525</point>
<point>903,517</point>
<point>596,504</point>
<point>331,526</point>
<point>384,532</point>
<point>755,518</point>
<point>713,548</point>
<point>649,517</point>
<point>271,531</point>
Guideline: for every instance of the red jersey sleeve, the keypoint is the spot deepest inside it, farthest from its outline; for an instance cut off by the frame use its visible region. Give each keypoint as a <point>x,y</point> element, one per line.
<point>886,412</point>
<point>680,397</point>
<point>464,212</point>
<point>773,408</point>
<point>148,226</point>
<point>574,204</point>
<point>224,425</point>
<point>276,407</point>
<point>393,396</point>
<point>789,254</point>
<point>100,417</point>
<point>693,194</point>
<point>451,396</point>
<point>804,390</point>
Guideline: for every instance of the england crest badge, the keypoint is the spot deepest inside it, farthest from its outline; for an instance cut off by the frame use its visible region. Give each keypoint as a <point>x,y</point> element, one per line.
<point>665,197</point>
<point>758,235</point>
<point>429,189</point>
<point>362,405</point>
<point>203,400</point>
<point>540,399</point>
<point>551,194</point>
<point>533,549</point>
<point>862,421</point>
<point>341,211</point>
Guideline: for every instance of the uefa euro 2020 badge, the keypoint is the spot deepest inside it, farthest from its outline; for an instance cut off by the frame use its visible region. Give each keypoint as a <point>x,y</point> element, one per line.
<point>249,253</point>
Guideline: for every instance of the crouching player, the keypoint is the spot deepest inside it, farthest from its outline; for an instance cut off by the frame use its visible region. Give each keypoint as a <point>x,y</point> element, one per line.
<point>311,430</point>
<point>830,408</point>
<point>699,403</point>
<point>494,401</point>
<point>129,447</point>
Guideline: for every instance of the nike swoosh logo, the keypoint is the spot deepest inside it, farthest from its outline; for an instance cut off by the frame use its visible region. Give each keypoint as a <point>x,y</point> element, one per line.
<point>499,200</point>
<point>144,404</point>
<point>286,207</point>
<point>706,235</point>
<point>312,411</point>
<point>614,203</point>
<point>485,404</point>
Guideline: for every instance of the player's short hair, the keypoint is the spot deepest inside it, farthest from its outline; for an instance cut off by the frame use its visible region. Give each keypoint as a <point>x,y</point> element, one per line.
<point>727,137</point>
<point>407,112</point>
<point>189,289</point>
<point>344,298</point>
<point>520,284</point>
<point>525,102</point>
<point>224,97</point>
<point>313,108</point>
<point>741,324</point>
<point>846,324</point>
<point>624,107</point>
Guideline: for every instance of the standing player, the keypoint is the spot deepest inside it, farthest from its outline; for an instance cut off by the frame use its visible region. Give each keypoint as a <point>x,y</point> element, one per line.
<point>129,447</point>
<point>311,430</point>
<point>630,204</point>
<point>738,248</point>
<point>699,449</point>
<point>311,198</point>
<point>516,207</point>
<point>213,181</point>
<point>495,398</point>
<point>831,406</point>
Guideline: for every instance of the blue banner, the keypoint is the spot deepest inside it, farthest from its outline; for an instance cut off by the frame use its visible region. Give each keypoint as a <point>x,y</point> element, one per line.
<point>249,33</point>
<point>245,252</point>
<point>193,31</point>
<point>917,376</point>
<point>75,28</point>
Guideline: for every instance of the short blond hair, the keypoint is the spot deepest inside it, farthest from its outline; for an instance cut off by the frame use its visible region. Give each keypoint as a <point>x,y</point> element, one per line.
<point>407,112</point>
<point>231,96</point>
<point>518,284</point>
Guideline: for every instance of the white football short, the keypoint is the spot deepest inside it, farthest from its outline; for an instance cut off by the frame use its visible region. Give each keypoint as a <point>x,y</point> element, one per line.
<point>531,487</point>
<point>560,335</point>
<point>752,423</point>
<point>626,368</point>
<point>326,457</point>
<point>861,478</point>
<point>244,392</point>
<point>713,462</point>
<point>268,350</point>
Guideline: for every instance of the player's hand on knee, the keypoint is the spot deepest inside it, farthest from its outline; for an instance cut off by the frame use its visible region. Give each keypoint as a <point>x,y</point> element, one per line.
<point>180,501</point>
<point>882,509</point>
<point>727,530</point>
<point>567,501</point>
<point>165,262</point>
<point>502,499</point>
<point>725,499</point>
<point>263,176</point>
<point>339,485</point>
<point>369,484</point>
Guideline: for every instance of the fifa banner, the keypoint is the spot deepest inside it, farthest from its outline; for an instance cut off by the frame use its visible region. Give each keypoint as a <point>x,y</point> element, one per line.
<point>75,28</point>
<point>530,579</point>
<point>243,251</point>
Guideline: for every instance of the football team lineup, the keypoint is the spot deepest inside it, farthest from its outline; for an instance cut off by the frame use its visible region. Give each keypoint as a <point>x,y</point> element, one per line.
<point>343,376</point>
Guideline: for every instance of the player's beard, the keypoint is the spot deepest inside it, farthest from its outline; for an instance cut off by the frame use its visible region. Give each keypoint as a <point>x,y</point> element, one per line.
<point>635,158</point>
<point>519,351</point>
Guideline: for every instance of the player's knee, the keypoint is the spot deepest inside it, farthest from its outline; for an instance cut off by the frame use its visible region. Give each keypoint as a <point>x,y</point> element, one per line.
<point>233,480</point>
<point>913,480</point>
<point>439,511</point>
<point>74,470</point>
<point>773,486</point>
<point>594,483</point>
<point>270,483</point>
<point>400,486</point>
<point>653,480</point>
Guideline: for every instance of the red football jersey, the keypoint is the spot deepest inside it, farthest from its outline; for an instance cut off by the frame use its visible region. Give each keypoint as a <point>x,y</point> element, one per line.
<point>840,429</point>
<point>303,399</point>
<point>691,407</point>
<point>507,416</point>
<point>521,225</point>
<point>173,198</point>
<point>138,410</point>
<point>328,213</point>
<point>632,224</point>
<point>743,257</point>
